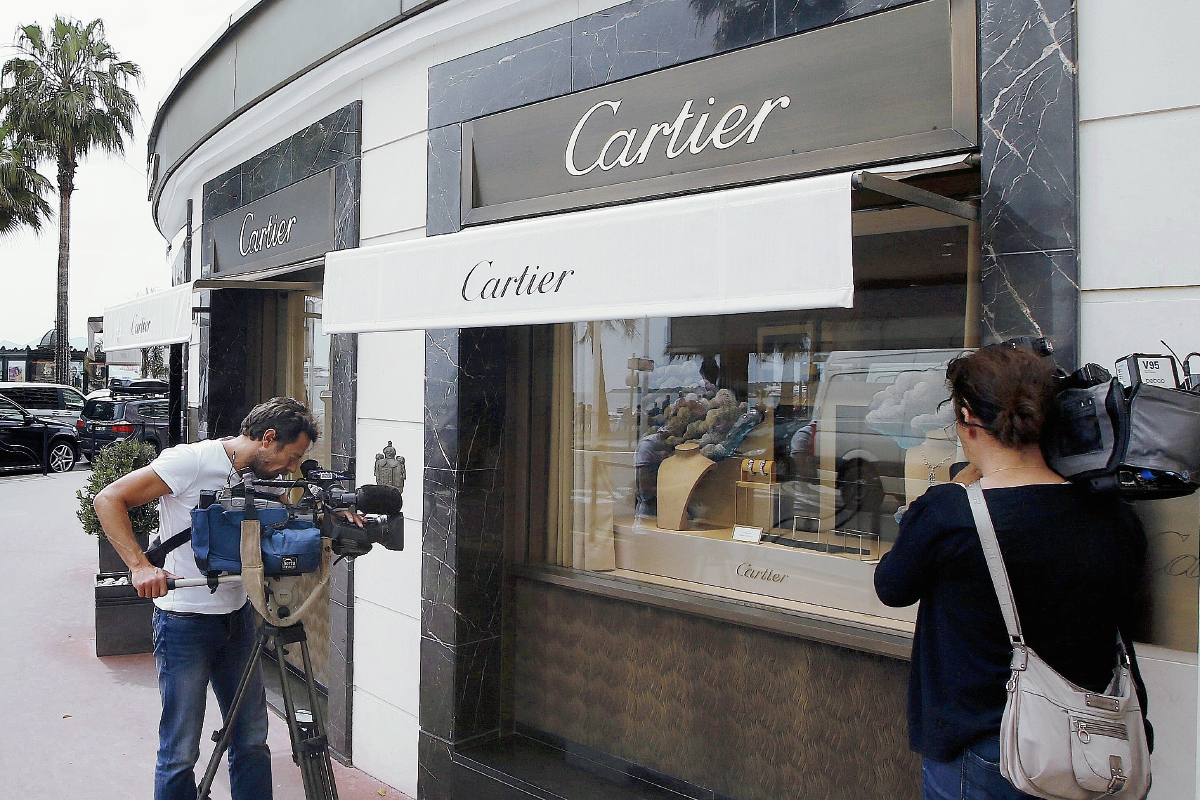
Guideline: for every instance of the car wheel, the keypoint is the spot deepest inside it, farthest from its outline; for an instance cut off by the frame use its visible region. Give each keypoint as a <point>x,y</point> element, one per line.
<point>861,490</point>
<point>62,457</point>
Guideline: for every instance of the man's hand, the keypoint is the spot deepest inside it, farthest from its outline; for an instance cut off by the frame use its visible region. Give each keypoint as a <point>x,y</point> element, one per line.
<point>149,580</point>
<point>350,516</point>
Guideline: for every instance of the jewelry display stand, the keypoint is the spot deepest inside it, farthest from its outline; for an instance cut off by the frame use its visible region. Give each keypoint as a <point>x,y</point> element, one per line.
<point>756,501</point>
<point>677,479</point>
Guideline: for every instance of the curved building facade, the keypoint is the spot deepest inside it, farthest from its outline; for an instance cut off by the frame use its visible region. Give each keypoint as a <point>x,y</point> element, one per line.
<point>655,300</point>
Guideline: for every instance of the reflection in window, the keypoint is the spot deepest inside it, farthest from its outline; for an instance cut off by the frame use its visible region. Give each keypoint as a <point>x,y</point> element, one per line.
<point>731,451</point>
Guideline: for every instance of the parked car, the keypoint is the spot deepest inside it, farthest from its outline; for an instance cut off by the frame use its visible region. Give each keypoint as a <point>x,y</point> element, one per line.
<point>867,465</point>
<point>121,413</point>
<point>52,401</point>
<point>24,438</point>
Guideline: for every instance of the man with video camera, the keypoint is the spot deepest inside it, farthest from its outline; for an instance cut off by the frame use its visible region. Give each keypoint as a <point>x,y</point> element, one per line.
<point>203,636</point>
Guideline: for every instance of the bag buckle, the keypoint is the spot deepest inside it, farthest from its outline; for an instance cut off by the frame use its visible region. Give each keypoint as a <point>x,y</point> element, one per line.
<point>1117,783</point>
<point>1020,657</point>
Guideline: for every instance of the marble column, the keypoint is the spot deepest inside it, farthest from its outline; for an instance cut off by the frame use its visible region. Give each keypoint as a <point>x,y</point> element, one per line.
<point>343,352</point>
<point>1027,74</point>
<point>463,548</point>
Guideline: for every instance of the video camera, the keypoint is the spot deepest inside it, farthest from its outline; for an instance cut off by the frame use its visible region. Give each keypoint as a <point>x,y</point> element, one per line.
<point>291,534</point>
<point>1136,435</point>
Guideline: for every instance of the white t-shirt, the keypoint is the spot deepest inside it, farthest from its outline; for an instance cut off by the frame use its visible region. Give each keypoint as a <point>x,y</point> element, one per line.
<point>187,469</point>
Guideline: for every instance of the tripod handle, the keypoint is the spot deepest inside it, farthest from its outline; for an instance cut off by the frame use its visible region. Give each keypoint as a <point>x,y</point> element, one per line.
<point>182,583</point>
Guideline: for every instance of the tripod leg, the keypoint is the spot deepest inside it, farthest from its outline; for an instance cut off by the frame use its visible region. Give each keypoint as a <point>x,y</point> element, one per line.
<point>320,751</point>
<point>310,748</point>
<point>289,708</point>
<point>222,736</point>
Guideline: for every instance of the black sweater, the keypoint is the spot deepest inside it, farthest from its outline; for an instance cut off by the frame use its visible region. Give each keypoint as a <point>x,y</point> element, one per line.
<point>1075,562</point>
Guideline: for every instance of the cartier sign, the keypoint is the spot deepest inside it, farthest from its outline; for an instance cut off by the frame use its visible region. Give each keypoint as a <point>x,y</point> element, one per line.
<point>724,134</point>
<point>892,86</point>
<point>292,224</point>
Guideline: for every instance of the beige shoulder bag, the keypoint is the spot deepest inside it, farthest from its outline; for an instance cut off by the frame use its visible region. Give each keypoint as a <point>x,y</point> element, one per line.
<point>1058,741</point>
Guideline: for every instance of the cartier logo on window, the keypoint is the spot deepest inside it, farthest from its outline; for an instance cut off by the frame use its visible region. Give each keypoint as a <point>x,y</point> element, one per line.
<point>748,570</point>
<point>485,281</point>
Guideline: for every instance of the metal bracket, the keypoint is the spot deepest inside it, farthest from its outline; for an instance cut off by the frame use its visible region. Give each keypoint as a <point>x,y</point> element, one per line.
<point>225,283</point>
<point>902,191</point>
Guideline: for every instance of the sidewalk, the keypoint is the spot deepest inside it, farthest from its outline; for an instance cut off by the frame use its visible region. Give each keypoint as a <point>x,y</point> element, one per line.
<point>77,726</point>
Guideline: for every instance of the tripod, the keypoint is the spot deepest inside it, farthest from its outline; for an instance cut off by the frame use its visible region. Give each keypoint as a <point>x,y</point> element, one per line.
<point>310,745</point>
<point>273,599</point>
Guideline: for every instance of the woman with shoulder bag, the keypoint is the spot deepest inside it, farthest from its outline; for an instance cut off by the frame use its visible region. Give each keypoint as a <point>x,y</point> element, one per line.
<point>1074,561</point>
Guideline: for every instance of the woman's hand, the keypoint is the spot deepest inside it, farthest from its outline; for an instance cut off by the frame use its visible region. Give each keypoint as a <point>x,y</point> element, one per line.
<point>968,475</point>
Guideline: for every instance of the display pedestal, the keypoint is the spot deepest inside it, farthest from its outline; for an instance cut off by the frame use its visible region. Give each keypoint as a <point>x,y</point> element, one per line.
<point>677,479</point>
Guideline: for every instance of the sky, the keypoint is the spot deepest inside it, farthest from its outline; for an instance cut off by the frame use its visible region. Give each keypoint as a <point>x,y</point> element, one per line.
<point>116,252</point>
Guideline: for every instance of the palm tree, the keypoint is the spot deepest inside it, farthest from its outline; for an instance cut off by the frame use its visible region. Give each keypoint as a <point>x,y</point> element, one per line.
<point>67,87</point>
<point>22,187</point>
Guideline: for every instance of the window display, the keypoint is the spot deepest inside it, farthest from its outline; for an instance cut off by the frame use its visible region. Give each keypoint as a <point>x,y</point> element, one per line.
<point>772,453</point>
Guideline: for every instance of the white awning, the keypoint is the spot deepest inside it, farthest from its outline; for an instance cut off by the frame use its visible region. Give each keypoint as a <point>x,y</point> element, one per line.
<point>771,247</point>
<point>158,318</point>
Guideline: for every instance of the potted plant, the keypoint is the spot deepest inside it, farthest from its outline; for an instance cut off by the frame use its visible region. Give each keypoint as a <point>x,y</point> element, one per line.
<point>111,463</point>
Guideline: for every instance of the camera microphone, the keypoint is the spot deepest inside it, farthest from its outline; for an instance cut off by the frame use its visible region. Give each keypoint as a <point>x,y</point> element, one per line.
<point>379,499</point>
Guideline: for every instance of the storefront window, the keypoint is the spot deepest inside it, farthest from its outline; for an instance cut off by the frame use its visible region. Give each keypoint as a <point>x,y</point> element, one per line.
<point>767,454</point>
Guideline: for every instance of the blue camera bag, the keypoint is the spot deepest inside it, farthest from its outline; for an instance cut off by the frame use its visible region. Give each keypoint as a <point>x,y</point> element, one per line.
<point>289,547</point>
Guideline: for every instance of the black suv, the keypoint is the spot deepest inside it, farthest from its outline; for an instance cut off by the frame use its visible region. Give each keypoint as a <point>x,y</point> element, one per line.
<point>123,412</point>
<point>24,438</point>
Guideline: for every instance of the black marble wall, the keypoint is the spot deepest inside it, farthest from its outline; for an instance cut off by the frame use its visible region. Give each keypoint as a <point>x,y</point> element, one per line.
<point>343,368</point>
<point>1029,201</point>
<point>1029,235</point>
<point>626,40</point>
<point>463,545</point>
<point>333,142</point>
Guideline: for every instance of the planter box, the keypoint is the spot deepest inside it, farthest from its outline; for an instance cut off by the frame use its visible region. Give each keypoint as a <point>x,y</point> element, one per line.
<point>110,562</point>
<point>123,620</point>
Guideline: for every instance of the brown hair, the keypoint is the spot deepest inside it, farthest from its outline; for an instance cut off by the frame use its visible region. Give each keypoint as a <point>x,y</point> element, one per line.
<point>1009,390</point>
<point>287,417</point>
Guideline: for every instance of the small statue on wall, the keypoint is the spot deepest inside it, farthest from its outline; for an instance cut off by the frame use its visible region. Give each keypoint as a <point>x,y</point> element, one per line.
<point>389,468</point>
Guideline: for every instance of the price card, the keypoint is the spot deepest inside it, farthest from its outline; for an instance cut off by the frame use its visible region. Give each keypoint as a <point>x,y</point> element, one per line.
<point>745,533</point>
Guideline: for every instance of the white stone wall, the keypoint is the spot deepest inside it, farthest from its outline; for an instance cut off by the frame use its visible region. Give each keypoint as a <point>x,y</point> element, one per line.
<point>387,585</point>
<point>1139,177</point>
<point>391,382</point>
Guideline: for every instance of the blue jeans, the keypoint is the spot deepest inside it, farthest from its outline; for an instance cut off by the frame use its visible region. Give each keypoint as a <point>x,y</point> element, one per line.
<point>192,651</point>
<point>974,775</point>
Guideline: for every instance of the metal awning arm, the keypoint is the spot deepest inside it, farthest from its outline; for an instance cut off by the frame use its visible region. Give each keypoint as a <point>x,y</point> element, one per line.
<point>285,286</point>
<point>911,194</point>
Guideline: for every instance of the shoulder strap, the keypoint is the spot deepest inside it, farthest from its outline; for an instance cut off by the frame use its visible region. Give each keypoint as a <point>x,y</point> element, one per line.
<point>157,555</point>
<point>995,562</point>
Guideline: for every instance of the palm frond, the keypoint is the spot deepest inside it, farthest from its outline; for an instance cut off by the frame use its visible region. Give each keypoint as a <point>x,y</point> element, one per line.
<point>23,189</point>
